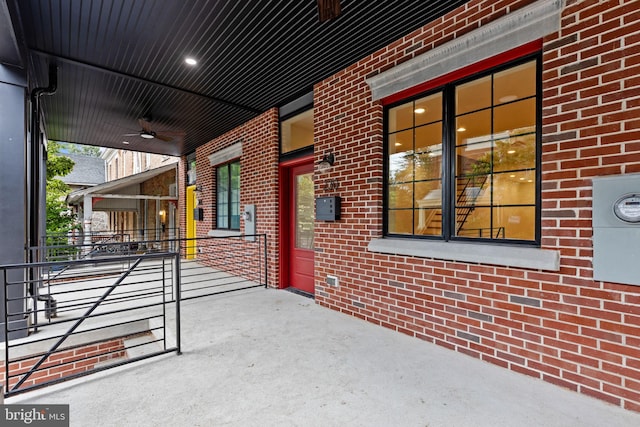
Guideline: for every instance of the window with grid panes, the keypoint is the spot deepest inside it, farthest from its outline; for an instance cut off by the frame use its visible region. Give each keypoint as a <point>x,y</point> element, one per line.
<point>228,196</point>
<point>462,160</point>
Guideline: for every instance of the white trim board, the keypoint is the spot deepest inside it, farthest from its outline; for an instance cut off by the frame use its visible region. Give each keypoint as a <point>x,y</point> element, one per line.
<point>525,25</point>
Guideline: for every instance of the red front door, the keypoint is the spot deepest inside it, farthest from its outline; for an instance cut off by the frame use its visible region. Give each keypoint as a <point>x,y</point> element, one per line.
<point>300,228</point>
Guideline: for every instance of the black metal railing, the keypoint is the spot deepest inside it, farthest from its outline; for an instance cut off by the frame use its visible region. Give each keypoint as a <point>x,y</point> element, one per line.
<point>483,232</point>
<point>92,318</point>
<point>83,315</point>
<point>210,265</point>
<point>79,245</point>
<point>468,192</point>
<point>215,265</point>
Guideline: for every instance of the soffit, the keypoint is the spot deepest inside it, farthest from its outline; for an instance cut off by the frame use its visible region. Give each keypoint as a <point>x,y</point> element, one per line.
<point>120,60</point>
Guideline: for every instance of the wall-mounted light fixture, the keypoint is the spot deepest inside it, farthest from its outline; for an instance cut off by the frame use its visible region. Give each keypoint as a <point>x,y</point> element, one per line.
<point>163,222</point>
<point>327,161</point>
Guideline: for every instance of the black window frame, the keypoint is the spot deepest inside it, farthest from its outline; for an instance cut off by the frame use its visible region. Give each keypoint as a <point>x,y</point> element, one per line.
<point>449,157</point>
<point>228,214</point>
<point>298,152</point>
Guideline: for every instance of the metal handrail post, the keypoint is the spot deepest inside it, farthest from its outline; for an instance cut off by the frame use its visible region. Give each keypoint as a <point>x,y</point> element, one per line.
<point>266,264</point>
<point>177,281</point>
<point>164,304</point>
<point>6,329</point>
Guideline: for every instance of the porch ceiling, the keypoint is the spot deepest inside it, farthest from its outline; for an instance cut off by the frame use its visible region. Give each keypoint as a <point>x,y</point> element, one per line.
<point>122,60</point>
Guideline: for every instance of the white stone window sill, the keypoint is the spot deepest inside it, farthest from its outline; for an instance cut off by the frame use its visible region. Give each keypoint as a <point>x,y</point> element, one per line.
<point>483,253</point>
<point>224,233</point>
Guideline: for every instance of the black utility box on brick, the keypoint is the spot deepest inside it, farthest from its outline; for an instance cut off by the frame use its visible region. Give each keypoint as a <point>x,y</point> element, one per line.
<point>328,208</point>
<point>198,214</point>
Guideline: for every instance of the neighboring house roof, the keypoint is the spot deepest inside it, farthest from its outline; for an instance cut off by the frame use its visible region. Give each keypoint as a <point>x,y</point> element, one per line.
<point>113,186</point>
<point>87,171</point>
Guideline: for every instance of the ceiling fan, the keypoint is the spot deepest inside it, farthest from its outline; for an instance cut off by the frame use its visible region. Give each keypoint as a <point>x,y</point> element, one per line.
<point>147,132</point>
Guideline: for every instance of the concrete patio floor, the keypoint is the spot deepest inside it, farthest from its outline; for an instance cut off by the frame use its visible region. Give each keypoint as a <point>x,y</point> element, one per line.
<point>264,357</point>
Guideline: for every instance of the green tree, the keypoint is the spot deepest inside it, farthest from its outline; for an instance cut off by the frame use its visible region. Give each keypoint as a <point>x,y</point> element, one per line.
<point>59,218</point>
<point>85,150</point>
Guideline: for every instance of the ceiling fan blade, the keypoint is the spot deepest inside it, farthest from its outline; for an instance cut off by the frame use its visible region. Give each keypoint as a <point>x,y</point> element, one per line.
<point>172,133</point>
<point>163,137</point>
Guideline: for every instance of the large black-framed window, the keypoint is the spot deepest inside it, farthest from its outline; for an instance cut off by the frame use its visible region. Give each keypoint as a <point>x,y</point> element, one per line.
<point>228,196</point>
<point>462,162</point>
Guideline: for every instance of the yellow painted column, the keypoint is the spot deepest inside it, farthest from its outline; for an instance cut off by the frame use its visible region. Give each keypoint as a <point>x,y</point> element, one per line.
<point>191,223</point>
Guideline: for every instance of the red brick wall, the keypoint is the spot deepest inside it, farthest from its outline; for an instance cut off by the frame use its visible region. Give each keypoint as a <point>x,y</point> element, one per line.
<point>64,363</point>
<point>258,179</point>
<point>585,334</point>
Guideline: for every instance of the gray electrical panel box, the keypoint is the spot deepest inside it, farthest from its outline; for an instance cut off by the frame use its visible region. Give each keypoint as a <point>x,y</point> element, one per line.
<point>616,228</point>
<point>249,216</point>
<point>328,208</point>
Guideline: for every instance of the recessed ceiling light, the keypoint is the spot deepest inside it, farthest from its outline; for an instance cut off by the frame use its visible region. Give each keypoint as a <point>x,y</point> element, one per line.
<point>522,178</point>
<point>530,180</point>
<point>462,129</point>
<point>419,110</point>
<point>511,151</point>
<point>190,61</point>
<point>512,176</point>
<point>398,144</point>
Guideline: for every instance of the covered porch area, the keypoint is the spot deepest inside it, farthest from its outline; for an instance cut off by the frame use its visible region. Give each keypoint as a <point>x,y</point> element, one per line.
<point>269,357</point>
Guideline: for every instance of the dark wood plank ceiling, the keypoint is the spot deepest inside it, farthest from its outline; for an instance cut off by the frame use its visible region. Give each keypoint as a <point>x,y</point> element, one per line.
<point>121,60</point>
